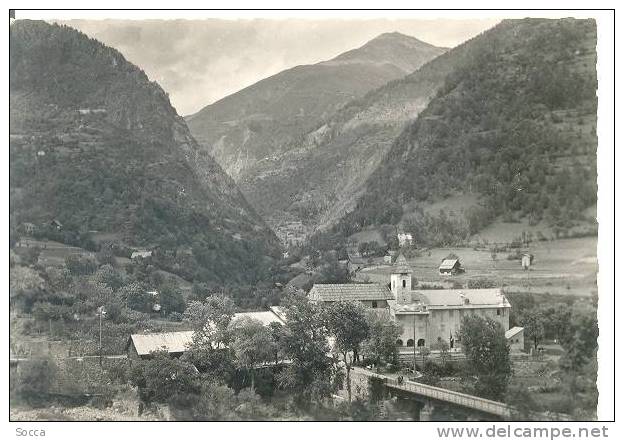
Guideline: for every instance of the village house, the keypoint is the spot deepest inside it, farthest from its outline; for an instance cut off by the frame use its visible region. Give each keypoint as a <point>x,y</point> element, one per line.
<point>405,239</point>
<point>527,261</point>
<point>56,224</point>
<point>29,228</point>
<point>177,343</point>
<point>450,267</point>
<point>426,316</point>
<point>143,254</point>
<point>390,256</point>
<point>515,338</point>
<point>356,263</point>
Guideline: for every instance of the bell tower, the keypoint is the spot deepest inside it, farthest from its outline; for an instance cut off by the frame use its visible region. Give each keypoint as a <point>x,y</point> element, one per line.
<point>401,281</point>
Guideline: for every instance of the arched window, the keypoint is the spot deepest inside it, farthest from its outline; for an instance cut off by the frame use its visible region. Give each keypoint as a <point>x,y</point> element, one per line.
<point>410,343</point>
<point>404,283</point>
<point>399,342</point>
<point>421,342</point>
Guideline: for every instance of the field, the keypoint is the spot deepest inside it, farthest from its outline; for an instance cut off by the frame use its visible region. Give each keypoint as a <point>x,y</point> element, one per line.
<point>563,266</point>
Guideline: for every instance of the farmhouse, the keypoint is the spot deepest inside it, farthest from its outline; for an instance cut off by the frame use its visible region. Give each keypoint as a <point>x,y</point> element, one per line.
<point>176,343</point>
<point>426,316</point>
<point>356,263</point>
<point>450,267</point>
<point>515,338</point>
<point>143,254</point>
<point>142,345</point>
<point>55,223</point>
<point>527,261</point>
<point>405,239</point>
<point>390,256</point>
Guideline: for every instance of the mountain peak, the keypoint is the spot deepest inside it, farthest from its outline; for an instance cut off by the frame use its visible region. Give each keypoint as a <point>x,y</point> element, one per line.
<point>396,36</point>
<point>403,51</point>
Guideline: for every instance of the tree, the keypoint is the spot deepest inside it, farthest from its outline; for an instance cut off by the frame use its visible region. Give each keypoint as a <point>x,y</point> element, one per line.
<point>162,377</point>
<point>171,298</point>
<point>80,265</point>
<point>35,378</point>
<point>136,297</point>
<point>533,323</point>
<point>485,346</point>
<point>443,347</point>
<point>32,255</point>
<point>24,285</point>
<point>109,276</point>
<point>276,330</point>
<point>304,342</point>
<point>252,344</point>
<point>580,340</point>
<point>346,322</point>
<point>524,406</point>
<point>210,320</point>
<point>106,256</point>
<point>381,342</point>
<point>493,256</point>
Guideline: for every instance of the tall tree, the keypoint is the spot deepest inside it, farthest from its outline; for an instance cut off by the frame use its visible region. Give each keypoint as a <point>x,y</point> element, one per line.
<point>346,322</point>
<point>533,323</point>
<point>382,336</point>
<point>210,320</point>
<point>252,344</point>
<point>485,346</point>
<point>304,342</point>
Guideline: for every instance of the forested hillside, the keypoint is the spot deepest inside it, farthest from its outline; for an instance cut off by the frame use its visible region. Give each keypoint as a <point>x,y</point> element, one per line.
<point>98,147</point>
<point>513,124</point>
<point>260,122</point>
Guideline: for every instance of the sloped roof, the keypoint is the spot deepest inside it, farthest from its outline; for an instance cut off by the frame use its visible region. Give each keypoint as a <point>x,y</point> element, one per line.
<point>401,266</point>
<point>175,342</point>
<point>279,311</point>
<point>456,297</point>
<point>169,341</point>
<point>448,263</point>
<point>513,331</point>
<point>265,317</point>
<point>349,291</point>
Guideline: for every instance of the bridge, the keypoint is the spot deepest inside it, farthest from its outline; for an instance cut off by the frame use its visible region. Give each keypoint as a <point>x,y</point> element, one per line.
<point>484,405</point>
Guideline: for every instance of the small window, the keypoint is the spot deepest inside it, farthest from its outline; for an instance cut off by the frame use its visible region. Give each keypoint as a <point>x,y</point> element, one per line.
<point>410,343</point>
<point>399,342</point>
<point>374,303</point>
<point>404,283</point>
<point>498,312</point>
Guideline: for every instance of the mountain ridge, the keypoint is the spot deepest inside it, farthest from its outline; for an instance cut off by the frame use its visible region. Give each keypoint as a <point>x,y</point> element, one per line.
<point>260,120</point>
<point>98,146</point>
<point>512,123</point>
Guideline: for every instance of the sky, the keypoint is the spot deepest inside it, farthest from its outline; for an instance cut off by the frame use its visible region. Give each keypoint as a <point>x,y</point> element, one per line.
<point>199,62</point>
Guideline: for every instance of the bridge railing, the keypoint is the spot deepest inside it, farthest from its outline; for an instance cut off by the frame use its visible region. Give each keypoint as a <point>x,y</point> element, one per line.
<point>450,396</point>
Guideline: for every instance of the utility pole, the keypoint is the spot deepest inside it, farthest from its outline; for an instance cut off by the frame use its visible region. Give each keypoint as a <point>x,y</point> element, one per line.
<point>101,313</point>
<point>414,342</point>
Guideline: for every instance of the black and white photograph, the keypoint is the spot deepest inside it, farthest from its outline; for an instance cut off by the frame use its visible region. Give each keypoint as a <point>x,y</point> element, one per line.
<point>310,216</point>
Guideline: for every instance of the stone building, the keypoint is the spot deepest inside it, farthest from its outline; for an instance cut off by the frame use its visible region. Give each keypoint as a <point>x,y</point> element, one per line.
<point>426,316</point>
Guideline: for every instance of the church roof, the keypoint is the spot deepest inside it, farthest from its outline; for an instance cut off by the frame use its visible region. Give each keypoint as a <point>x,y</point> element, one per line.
<point>462,297</point>
<point>349,291</point>
<point>401,266</point>
<point>427,299</point>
